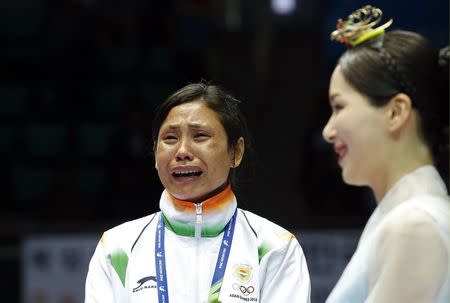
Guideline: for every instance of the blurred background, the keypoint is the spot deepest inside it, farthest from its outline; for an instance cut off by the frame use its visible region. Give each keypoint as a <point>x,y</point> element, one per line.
<point>80,79</point>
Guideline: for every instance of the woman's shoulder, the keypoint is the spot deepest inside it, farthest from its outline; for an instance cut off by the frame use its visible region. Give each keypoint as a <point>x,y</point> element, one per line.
<point>127,232</point>
<point>421,217</point>
<point>131,225</point>
<point>262,223</point>
<point>266,230</point>
<point>421,209</point>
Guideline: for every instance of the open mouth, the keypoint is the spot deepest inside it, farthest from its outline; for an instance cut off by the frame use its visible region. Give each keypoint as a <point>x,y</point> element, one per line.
<point>341,151</point>
<point>184,174</point>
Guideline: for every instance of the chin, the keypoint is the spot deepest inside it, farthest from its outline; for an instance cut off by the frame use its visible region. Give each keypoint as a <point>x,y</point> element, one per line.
<point>351,179</point>
<point>184,197</point>
<point>188,197</point>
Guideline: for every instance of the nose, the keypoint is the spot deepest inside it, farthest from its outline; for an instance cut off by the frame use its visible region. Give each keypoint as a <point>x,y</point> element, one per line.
<point>328,132</point>
<point>184,151</point>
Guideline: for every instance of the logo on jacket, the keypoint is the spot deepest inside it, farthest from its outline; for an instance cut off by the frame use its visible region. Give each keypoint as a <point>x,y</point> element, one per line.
<point>243,272</point>
<point>244,293</point>
<point>244,290</point>
<point>145,284</point>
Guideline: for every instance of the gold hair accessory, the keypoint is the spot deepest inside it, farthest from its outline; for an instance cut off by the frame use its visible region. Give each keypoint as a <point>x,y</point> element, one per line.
<point>359,26</point>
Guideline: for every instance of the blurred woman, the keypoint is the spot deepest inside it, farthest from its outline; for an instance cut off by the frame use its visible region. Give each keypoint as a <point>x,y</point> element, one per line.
<point>389,101</point>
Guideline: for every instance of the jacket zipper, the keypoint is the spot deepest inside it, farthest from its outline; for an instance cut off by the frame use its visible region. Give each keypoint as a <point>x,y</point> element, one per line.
<point>198,220</point>
<point>198,236</point>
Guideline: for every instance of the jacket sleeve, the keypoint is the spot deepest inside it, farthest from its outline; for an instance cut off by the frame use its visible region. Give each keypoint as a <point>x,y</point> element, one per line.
<point>287,277</point>
<point>102,283</point>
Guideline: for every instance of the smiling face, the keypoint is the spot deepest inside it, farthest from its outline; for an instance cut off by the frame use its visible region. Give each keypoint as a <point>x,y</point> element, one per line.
<point>193,158</point>
<point>358,132</point>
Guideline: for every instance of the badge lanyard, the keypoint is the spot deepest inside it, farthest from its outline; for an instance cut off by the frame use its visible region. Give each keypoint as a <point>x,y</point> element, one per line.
<point>221,263</point>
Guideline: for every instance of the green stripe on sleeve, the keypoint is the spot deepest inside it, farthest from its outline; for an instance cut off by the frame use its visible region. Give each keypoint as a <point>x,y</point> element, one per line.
<point>263,249</point>
<point>119,261</point>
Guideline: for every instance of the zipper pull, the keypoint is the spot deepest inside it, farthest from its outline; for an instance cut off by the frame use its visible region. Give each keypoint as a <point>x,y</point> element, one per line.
<point>198,220</point>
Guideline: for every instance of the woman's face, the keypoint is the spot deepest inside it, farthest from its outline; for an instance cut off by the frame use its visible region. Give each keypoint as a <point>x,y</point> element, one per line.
<point>192,154</point>
<point>357,130</point>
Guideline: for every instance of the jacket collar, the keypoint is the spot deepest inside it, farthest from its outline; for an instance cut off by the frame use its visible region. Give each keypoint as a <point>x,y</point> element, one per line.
<point>181,216</point>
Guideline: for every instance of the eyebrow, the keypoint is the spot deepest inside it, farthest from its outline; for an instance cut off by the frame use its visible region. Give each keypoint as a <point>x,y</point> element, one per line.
<point>191,125</point>
<point>333,96</point>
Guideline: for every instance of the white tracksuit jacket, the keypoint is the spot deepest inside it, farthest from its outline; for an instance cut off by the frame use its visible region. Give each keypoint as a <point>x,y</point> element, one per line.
<point>266,263</point>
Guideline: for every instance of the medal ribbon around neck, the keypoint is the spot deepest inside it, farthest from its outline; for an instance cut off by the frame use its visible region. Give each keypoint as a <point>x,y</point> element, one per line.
<point>221,263</point>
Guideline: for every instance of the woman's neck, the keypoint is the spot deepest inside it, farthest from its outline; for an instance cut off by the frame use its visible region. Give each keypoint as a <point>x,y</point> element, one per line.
<point>210,194</point>
<point>405,161</point>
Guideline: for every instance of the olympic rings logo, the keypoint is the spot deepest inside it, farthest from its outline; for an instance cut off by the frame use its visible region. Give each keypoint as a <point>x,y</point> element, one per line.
<point>244,290</point>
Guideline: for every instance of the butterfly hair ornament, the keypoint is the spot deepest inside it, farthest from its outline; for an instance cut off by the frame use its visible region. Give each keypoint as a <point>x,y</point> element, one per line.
<point>359,26</point>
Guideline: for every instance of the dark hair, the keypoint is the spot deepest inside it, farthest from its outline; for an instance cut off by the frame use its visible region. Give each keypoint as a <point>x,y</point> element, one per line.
<point>407,62</point>
<point>224,105</point>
